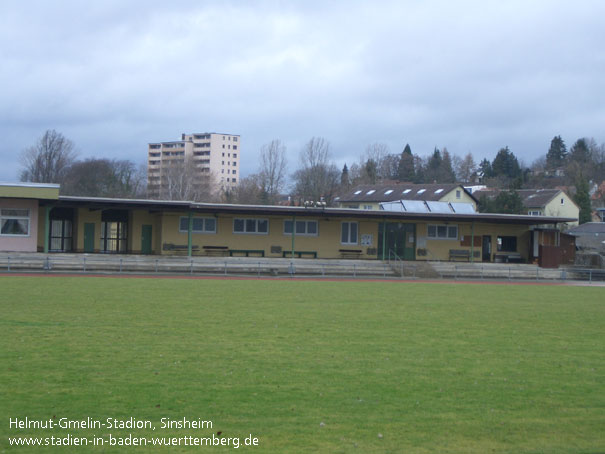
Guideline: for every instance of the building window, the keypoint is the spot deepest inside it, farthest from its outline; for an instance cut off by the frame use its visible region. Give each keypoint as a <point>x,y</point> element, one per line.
<point>458,194</point>
<point>235,139</point>
<point>114,235</point>
<point>507,244</point>
<point>14,222</point>
<point>235,147</point>
<point>235,155</point>
<point>234,180</point>
<point>234,163</point>
<point>199,225</point>
<point>233,171</point>
<point>229,147</point>
<point>303,228</point>
<point>60,235</point>
<point>348,232</point>
<point>443,232</point>
<point>253,226</point>
<point>562,201</point>
<point>535,213</point>
<point>223,145</point>
<point>223,154</point>
<point>367,207</point>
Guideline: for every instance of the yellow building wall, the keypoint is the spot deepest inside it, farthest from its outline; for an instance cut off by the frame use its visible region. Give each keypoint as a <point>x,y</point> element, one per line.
<point>567,209</point>
<point>439,249</point>
<point>464,197</point>
<point>137,219</point>
<point>29,192</point>
<point>83,216</point>
<point>326,243</point>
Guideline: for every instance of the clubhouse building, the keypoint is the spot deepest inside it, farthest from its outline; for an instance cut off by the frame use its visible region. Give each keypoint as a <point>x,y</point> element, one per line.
<point>35,218</point>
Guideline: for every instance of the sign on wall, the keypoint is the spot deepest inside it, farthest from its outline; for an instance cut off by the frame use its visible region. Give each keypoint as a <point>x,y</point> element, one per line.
<point>367,239</point>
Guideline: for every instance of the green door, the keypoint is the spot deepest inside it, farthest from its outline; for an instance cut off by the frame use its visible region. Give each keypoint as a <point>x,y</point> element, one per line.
<point>146,239</point>
<point>400,238</point>
<point>89,237</point>
<point>409,251</point>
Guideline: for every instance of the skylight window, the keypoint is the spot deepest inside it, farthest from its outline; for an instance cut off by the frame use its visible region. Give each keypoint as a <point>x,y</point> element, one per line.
<point>388,192</point>
<point>420,191</point>
<point>438,191</point>
<point>357,192</point>
<point>406,191</point>
<point>371,191</point>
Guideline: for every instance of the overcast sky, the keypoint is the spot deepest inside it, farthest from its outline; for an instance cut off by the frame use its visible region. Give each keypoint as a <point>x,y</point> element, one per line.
<point>467,75</point>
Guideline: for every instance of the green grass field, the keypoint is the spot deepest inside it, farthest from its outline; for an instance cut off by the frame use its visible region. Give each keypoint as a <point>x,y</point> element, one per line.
<point>328,367</point>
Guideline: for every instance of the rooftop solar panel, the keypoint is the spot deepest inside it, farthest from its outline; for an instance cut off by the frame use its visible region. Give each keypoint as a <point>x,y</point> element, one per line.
<point>463,208</point>
<point>439,207</point>
<point>414,206</point>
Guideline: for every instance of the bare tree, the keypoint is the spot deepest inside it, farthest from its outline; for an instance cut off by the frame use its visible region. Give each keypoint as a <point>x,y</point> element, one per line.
<point>183,180</point>
<point>247,192</point>
<point>316,178</point>
<point>465,168</point>
<point>48,160</point>
<point>378,156</point>
<point>272,172</point>
<point>104,178</point>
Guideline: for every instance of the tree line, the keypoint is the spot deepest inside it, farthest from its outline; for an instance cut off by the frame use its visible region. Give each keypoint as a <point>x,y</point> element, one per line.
<point>53,159</point>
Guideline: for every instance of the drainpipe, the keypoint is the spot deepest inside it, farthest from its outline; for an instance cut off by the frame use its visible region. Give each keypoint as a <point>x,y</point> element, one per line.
<point>472,241</point>
<point>293,230</point>
<point>46,227</point>
<point>384,237</point>
<point>189,230</point>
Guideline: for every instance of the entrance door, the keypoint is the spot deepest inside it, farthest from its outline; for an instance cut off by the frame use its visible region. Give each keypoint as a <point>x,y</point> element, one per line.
<point>409,253</point>
<point>89,237</point>
<point>486,246</point>
<point>146,239</point>
<point>400,238</point>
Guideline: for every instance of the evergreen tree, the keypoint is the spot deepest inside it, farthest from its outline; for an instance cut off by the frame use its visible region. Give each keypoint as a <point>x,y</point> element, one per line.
<point>505,164</point>
<point>344,177</point>
<point>582,199</point>
<point>433,166</point>
<point>405,169</point>
<point>556,153</point>
<point>580,152</point>
<point>506,202</point>
<point>371,171</point>
<point>485,169</point>
<point>446,170</point>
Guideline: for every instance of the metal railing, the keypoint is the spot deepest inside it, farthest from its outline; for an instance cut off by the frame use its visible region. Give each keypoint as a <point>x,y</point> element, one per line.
<point>394,267</point>
<point>399,266</point>
<point>510,273</point>
<point>186,265</point>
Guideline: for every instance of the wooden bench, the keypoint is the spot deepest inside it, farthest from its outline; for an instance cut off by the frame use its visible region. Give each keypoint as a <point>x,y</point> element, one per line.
<point>350,253</point>
<point>247,252</point>
<point>179,247</point>
<point>460,254</point>
<point>507,257</point>
<point>299,254</point>
<point>215,250</point>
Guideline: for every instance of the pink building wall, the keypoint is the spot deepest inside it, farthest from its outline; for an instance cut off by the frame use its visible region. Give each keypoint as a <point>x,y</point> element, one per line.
<point>21,243</point>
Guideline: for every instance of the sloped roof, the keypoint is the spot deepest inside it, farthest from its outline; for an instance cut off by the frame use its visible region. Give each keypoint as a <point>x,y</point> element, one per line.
<point>314,212</point>
<point>589,228</point>
<point>388,192</point>
<point>532,198</point>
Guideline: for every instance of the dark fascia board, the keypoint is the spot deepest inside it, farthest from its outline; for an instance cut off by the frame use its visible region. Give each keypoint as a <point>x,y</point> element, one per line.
<point>276,210</point>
